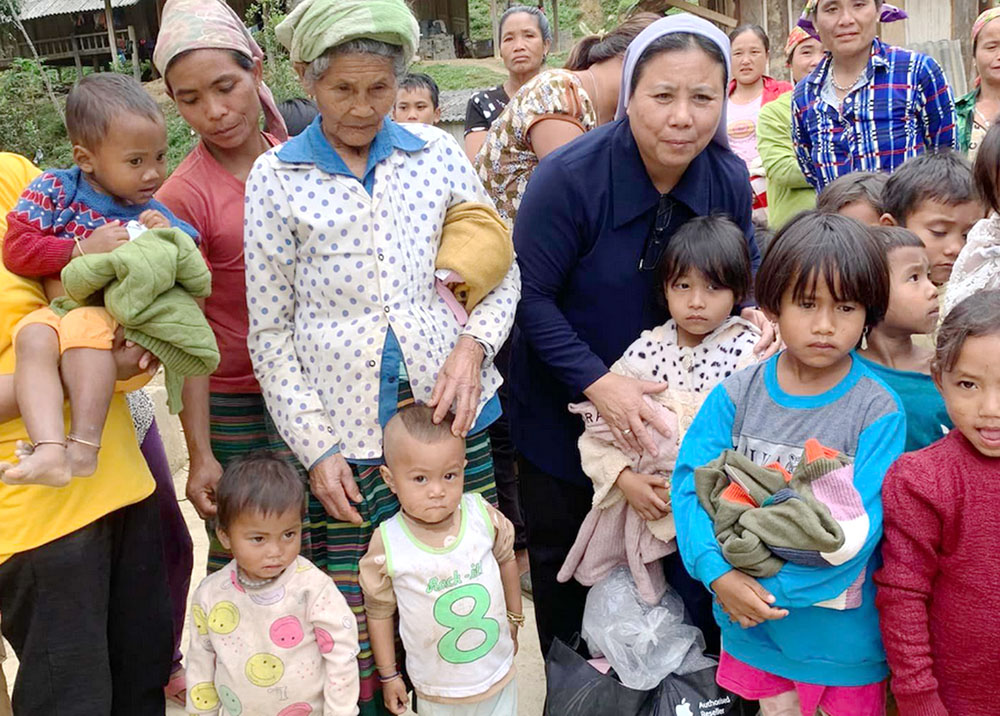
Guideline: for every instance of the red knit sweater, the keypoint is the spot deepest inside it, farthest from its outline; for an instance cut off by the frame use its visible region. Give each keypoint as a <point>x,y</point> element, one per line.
<point>939,588</point>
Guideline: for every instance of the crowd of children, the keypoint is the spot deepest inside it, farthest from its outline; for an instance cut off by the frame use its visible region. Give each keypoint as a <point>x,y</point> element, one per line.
<point>887,435</point>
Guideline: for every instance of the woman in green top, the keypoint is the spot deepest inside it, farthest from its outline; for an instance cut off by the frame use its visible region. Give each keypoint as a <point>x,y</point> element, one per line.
<point>977,110</point>
<point>788,192</point>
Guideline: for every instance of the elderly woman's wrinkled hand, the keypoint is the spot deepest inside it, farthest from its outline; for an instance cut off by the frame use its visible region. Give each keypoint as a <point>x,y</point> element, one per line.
<point>332,482</point>
<point>770,338</point>
<point>460,383</point>
<point>619,400</point>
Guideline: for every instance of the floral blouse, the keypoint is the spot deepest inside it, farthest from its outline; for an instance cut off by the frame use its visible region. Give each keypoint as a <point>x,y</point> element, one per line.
<point>506,160</point>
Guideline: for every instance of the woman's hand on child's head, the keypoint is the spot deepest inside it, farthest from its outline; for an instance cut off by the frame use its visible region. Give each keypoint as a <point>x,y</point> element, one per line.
<point>102,240</point>
<point>620,401</point>
<point>649,495</point>
<point>770,339</point>
<point>394,696</point>
<point>744,599</point>
<point>153,219</point>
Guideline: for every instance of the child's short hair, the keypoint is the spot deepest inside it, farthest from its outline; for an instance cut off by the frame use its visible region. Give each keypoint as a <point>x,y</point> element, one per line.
<point>850,188</point>
<point>895,237</point>
<point>258,482</point>
<point>95,102</point>
<point>978,315</point>
<point>941,175</point>
<point>984,171</point>
<point>715,246</point>
<point>835,248</point>
<point>418,420</point>
<point>418,80</point>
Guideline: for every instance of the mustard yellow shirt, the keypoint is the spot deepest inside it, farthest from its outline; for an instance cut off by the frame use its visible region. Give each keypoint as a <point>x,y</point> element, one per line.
<point>32,515</point>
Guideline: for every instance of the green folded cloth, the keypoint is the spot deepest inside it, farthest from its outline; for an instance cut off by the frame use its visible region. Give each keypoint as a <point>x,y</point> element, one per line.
<point>314,26</point>
<point>149,287</point>
<point>764,517</point>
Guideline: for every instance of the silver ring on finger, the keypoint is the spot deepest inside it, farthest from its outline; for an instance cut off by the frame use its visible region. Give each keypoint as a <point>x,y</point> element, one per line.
<point>627,431</point>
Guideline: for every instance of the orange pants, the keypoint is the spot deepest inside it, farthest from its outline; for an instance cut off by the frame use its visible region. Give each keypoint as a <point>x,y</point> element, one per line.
<point>85,327</point>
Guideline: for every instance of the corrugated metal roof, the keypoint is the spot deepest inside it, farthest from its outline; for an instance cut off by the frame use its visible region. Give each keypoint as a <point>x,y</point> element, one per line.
<point>34,9</point>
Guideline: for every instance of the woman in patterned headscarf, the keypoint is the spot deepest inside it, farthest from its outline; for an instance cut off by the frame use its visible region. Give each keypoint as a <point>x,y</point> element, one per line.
<point>212,69</point>
<point>343,224</point>
<point>977,110</point>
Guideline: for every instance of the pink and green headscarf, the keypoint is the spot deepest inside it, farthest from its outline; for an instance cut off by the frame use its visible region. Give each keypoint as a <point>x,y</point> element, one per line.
<point>984,19</point>
<point>211,25</point>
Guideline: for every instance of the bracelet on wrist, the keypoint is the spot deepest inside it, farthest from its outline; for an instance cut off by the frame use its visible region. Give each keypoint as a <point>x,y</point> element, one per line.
<point>392,677</point>
<point>515,618</point>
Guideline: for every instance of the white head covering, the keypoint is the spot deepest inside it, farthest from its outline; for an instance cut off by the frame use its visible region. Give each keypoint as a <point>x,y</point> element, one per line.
<point>682,22</point>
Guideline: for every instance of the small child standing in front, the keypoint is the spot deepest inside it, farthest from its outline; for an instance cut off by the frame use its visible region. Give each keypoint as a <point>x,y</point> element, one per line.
<point>704,273</point>
<point>938,589</point>
<point>417,100</point>
<point>446,561</point>
<point>891,353</point>
<point>270,632</point>
<point>119,142</point>
<point>807,639</point>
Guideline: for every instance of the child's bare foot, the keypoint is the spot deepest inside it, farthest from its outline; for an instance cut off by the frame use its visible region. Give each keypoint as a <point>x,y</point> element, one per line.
<point>44,464</point>
<point>82,456</point>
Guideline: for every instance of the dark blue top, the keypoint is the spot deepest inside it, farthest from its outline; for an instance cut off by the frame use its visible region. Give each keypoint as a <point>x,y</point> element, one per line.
<point>580,232</point>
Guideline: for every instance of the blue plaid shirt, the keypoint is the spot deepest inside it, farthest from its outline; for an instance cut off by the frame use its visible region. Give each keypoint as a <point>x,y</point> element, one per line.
<point>901,106</point>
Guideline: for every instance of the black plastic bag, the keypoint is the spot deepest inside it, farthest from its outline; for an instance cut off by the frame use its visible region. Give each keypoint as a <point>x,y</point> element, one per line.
<point>696,694</point>
<point>575,688</point>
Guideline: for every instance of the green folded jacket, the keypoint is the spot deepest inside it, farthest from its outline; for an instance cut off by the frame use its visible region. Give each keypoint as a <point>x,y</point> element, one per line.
<point>764,517</point>
<point>149,286</point>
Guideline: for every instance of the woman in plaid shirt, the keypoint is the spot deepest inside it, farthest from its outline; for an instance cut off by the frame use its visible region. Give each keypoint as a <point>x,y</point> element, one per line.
<point>868,106</point>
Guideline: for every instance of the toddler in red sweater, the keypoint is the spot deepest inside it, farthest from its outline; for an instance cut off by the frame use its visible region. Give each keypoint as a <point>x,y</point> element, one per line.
<point>939,587</point>
<point>119,145</point>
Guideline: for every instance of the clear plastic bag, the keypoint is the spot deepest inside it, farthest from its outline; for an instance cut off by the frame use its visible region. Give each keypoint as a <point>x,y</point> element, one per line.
<point>644,644</point>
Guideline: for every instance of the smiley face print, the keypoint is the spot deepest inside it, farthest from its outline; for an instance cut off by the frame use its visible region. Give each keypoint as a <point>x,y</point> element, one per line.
<point>230,701</point>
<point>264,669</point>
<point>204,696</point>
<point>200,619</point>
<point>224,618</point>
<point>286,632</point>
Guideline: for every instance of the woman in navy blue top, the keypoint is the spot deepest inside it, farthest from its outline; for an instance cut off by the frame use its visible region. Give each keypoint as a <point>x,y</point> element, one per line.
<point>595,218</point>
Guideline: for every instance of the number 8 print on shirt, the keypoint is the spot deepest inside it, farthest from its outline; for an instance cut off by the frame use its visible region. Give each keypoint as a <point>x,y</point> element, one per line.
<point>450,597</point>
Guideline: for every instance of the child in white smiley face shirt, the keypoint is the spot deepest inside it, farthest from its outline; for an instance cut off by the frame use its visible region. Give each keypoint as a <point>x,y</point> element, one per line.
<point>270,632</point>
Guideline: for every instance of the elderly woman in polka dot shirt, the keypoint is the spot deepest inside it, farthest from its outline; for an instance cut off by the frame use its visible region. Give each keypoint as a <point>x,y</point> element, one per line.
<point>343,224</point>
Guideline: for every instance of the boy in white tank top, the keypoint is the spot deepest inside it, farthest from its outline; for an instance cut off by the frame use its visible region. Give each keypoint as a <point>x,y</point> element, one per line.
<point>446,561</point>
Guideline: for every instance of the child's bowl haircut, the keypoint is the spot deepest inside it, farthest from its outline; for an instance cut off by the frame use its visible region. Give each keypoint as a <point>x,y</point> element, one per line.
<point>978,315</point>
<point>942,175</point>
<point>835,248</point>
<point>259,482</point>
<point>895,237</point>
<point>852,188</point>
<point>97,100</point>
<point>715,246</point>
<point>985,170</point>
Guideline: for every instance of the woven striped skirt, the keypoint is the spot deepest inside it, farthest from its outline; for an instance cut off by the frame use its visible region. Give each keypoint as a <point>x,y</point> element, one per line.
<point>240,423</point>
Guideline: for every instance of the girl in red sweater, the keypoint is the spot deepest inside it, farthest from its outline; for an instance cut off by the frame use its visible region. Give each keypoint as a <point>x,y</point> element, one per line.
<point>939,587</point>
